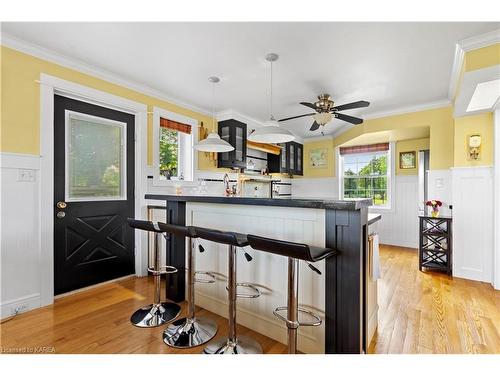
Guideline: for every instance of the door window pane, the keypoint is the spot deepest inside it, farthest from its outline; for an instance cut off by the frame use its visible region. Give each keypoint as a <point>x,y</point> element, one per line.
<point>95,158</point>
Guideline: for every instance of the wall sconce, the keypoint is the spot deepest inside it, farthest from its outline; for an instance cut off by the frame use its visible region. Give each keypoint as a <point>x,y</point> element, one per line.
<point>474,147</point>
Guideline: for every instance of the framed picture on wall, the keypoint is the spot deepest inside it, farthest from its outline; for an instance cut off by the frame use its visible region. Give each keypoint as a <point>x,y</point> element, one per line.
<point>318,158</point>
<point>407,160</point>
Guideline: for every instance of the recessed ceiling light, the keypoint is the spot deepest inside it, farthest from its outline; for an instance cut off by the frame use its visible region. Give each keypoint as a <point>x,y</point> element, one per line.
<point>485,96</point>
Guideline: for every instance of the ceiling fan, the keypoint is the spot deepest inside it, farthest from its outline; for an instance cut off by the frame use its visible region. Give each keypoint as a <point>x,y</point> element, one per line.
<point>326,110</point>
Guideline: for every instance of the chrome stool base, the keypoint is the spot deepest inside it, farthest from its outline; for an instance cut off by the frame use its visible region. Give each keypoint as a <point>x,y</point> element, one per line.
<point>188,333</point>
<point>243,345</point>
<point>155,315</point>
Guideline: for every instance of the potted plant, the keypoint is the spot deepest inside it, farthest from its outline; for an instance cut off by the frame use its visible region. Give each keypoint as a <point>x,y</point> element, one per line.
<point>435,204</point>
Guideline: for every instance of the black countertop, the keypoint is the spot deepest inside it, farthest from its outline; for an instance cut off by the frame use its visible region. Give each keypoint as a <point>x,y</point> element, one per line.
<point>373,218</point>
<point>348,205</point>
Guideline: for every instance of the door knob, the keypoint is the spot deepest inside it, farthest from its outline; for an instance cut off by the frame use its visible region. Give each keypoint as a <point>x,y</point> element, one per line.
<point>61,205</point>
<point>61,214</point>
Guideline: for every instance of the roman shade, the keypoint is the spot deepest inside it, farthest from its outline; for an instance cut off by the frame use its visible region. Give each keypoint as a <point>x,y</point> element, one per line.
<point>174,125</point>
<point>364,148</point>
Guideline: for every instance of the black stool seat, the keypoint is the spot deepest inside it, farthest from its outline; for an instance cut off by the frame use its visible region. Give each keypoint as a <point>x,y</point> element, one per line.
<point>227,238</point>
<point>290,249</point>
<point>162,227</point>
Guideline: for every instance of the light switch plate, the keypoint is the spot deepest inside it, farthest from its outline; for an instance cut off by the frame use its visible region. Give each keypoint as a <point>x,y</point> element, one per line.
<point>26,175</point>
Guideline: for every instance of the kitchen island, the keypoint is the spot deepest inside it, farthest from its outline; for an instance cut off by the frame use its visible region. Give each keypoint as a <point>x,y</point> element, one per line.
<point>338,295</point>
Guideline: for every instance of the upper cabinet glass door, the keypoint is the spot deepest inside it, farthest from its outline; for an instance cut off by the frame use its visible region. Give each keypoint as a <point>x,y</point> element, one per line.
<point>299,159</point>
<point>95,158</point>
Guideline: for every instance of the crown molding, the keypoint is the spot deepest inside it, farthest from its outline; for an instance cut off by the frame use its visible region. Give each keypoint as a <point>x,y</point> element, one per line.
<point>68,62</point>
<point>409,109</point>
<point>480,41</point>
<point>466,45</point>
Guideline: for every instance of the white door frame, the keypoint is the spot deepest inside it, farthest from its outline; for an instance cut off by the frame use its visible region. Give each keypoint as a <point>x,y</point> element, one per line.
<point>496,198</point>
<point>49,86</point>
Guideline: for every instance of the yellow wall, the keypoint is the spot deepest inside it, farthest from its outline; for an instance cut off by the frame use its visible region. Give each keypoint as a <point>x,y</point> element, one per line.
<point>482,57</point>
<point>410,145</point>
<point>464,127</point>
<point>20,114</point>
<point>329,171</point>
<point>439,121</point>
<point>20,102</point>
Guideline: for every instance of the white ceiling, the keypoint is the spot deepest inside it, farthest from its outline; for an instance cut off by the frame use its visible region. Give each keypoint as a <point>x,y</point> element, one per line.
<point>392,65</point>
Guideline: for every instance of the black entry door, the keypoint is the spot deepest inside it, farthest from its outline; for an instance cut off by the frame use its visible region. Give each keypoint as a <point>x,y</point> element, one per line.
<point>93,194</point>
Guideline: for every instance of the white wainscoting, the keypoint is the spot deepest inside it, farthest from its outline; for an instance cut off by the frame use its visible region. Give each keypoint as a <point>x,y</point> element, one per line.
<point>20,233</point>
<point>440,182</point>
<point>399,225</point>
<point>266,270</point>
<point>327,187</point>
<point>473,223</point>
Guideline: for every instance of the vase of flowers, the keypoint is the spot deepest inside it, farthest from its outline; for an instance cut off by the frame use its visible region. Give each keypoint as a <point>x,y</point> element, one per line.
<point>435,204</point>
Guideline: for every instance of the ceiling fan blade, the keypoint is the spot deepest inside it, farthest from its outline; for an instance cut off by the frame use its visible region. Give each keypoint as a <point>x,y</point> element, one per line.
<point>310,105</point>
<point>291,118</point>
<point>352,120</point>
<point>314,126</point>
<point>359,104</point>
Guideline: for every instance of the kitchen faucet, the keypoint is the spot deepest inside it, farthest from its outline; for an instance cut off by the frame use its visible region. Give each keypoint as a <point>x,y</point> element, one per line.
<point>227,190</point>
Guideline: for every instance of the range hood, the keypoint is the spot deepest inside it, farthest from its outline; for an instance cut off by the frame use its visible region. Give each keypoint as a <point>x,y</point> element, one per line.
<point>264,147</point>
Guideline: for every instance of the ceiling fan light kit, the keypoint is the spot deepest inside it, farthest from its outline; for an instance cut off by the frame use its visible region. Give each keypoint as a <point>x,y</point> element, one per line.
<point>323,118</point>
<point>213,142</point>
<point>271,132</point>
<point>326,111</point>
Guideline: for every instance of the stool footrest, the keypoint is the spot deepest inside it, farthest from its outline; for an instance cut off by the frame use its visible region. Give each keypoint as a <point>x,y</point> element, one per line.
<point>209,277</point>
<point>255,291</point>
<point>317,320</point>
<point>162,270</point>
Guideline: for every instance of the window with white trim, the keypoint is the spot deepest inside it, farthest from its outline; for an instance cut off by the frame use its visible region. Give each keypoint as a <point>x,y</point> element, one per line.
<point>174,157</point>
<point>365,173</point>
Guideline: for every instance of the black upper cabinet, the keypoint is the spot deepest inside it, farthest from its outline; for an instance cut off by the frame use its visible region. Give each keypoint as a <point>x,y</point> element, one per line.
<point>234,132</point>
<point>290,160</point>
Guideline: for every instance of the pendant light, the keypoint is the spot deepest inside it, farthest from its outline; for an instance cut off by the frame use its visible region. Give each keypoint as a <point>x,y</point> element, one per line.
<point>213,142</point>
<point>271,131</point>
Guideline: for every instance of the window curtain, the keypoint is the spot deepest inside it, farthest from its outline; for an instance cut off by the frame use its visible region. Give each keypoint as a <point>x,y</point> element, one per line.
<point>174,125</point>
<point>364,148</point>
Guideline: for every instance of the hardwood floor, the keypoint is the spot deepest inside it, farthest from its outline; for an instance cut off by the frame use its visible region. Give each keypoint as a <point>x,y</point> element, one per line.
<point>97,321</point>
<point>424,312</point>
<point>419,313</point>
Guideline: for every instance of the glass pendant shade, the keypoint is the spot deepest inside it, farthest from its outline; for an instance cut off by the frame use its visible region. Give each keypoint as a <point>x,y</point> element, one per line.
<point>323,118</point>
<point>213,143</point>
<point>271,133</point>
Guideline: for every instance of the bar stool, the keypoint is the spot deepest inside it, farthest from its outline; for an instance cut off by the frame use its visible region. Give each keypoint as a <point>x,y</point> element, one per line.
<point>233,344</point>
<point>190,331</point>
<point>295,252</point>
<point>158,312</point>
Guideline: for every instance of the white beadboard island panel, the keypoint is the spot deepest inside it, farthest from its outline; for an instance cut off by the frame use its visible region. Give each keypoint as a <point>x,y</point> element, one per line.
<point>269,271</point>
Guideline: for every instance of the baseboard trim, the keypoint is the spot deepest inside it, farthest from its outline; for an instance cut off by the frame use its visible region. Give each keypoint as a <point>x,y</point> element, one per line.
<point>30,302</point>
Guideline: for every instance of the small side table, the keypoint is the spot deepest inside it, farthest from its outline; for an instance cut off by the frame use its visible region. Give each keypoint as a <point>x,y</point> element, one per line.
<point>435,244</point>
